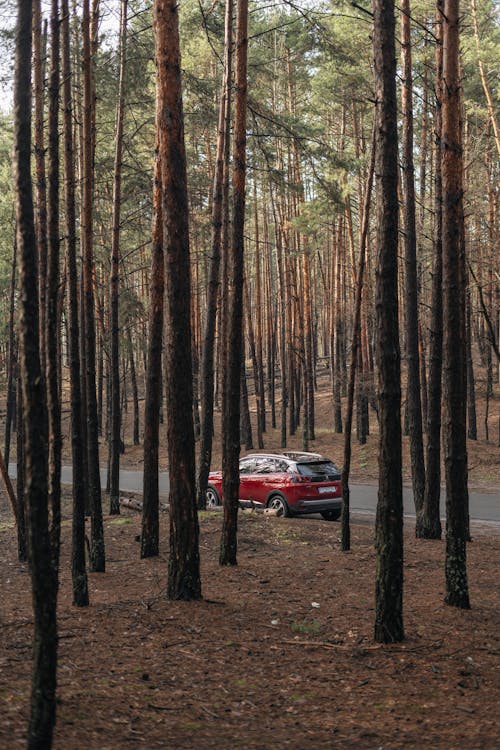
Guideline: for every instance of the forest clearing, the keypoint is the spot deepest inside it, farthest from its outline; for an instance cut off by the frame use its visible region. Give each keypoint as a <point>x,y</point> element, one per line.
<point>229,226</point>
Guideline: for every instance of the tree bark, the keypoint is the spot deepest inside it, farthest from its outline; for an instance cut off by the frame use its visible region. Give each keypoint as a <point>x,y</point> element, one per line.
<point>44,573</point>
<point>150,515</point>
<point>114,278</point>
<point>231,415</point>
<point>454,389</point>
<point>40,172</point>
<point>184,562</point>
<point>428,523</point>
<point>52,319</point>
<point>260,391</point>
<point>471,390</point>
<point>245,423</point>
<point>207,360</point>
<point>411,290</point>
<point>356,335</point>
<point>9,490</point>
<point>12,364</point>
<point>22,536</point>
<point>389,519</point>
<point>135,391</point>
<point>97,550</point>
<point>78,564</point>
<point>255,363</point>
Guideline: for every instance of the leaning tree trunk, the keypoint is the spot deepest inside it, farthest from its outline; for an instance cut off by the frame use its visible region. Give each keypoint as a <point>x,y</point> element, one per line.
<point>231,413</point>
<point>389,519</point>
<point>44,573</point>
<point>454,382</point>
<point>184,563</point>
<point>78,565</point>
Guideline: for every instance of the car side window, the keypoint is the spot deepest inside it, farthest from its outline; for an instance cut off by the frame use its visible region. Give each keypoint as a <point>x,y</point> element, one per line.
<point>272,466</point>
<point>247,467</point>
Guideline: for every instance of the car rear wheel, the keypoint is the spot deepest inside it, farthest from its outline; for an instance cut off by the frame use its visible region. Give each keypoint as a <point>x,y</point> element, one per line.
<point>212,497</point>
<point>331,515</point>
<point>279,504</point>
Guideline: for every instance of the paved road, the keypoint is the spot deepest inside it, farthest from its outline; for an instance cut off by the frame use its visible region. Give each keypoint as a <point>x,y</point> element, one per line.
<point>484,506</point>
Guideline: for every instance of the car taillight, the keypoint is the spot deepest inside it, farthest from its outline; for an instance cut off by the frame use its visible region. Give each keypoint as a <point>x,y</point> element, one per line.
<point>300,478</point>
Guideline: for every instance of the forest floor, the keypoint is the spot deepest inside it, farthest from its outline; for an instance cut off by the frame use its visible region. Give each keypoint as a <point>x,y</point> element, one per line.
<point>279,653</point>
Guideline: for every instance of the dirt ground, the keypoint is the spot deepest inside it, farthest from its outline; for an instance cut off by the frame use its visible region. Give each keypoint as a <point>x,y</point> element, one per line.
<point>278,654</point>
<point>280,651</point>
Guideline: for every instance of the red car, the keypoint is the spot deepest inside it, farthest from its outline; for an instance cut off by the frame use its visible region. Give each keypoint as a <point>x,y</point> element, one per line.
<point>291,483</point>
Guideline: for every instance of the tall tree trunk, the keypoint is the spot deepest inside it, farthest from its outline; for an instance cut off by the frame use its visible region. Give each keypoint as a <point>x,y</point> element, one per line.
<point>152,407</point>
<point>53,327</point>
<point>428,523</point>
<point>260,391</point>
<point>184,562</point>
<point>356,335</point>
<point>284,311</point>
<point>471,390</point>
<point>135,391</point>
<point>411,291</point>
<point>100,386</point>
<point>97,550</point>
<point>335,342</point>
<point>12,361</point>
<point>9,490</point>
<point>114,278</point>
<point>78,564</point>
<point>245,422</point>
<point>83,383</point>
<point>22,537</point>
<point>207,361</point>
<point>40,172</point>
<point>231,412</point>
<point>44,573</point>
<point>255,363</point>
<point>389,519</point>
<point>454,388</point>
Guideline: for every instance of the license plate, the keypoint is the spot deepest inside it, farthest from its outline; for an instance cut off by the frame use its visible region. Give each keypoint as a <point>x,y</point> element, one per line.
<point>325,490</point>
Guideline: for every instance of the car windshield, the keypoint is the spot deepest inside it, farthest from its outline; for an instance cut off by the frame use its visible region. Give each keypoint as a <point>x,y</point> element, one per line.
<point>318,470</point>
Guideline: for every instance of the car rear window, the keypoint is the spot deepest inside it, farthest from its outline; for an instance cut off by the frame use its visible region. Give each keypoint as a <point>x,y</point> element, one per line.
<point>319,470</point>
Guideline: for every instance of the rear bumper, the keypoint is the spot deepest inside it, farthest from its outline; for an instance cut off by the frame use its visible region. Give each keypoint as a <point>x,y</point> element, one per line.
<point>316,506</point>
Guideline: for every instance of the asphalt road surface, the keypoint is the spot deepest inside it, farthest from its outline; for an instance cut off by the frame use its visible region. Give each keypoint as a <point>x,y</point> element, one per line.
<point>483,506</point>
